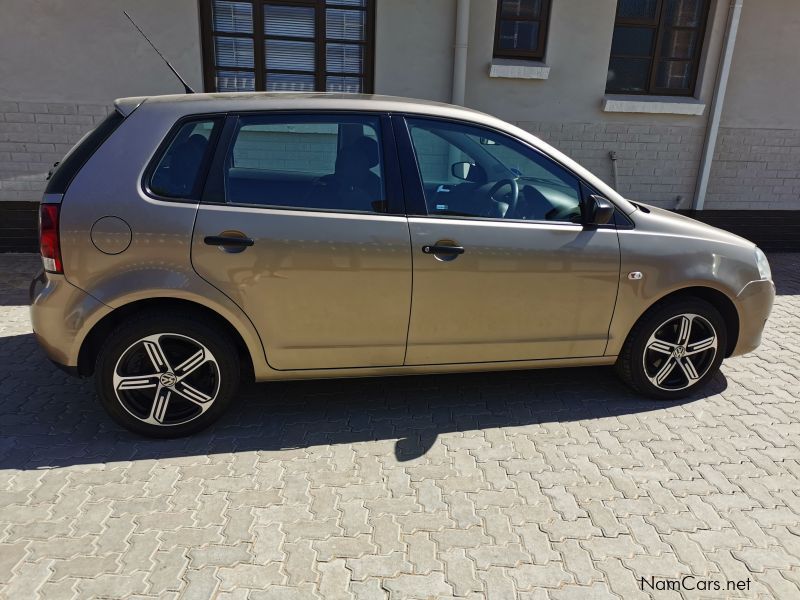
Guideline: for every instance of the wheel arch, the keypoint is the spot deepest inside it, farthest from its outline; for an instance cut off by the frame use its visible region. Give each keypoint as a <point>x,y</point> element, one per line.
<point>717,299</point>
<point>94,339</point>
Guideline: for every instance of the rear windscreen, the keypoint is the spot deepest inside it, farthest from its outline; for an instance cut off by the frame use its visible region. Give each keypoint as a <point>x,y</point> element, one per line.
<point>64,173</point>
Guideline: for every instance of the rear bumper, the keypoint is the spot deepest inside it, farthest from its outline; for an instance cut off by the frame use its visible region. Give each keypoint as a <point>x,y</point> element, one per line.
<point>62,316</point>
<point>755,304</point>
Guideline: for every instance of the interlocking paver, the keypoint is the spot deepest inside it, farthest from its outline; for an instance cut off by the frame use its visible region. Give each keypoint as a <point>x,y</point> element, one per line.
<point>528,486</point>
<point>422,553</point>
<point>578,562</point>
<point>418,586</point>
<point>528,577</point>
<point>460,572</point>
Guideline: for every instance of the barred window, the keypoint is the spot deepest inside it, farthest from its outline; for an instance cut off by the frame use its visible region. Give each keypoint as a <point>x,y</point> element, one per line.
<point>657,46</point>
<point>296,45</point>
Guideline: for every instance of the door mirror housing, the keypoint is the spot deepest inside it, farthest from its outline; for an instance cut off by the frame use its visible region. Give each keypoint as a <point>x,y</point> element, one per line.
<point>460,170</point>
<point>599,210</point>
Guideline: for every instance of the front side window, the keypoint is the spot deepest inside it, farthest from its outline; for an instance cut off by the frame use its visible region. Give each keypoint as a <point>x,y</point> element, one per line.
<point>315,163</point>
<point>521,29</point>
<point>656,46</point>
<point>472,172</point>
<point>176,174</point>
<point>299,45</point>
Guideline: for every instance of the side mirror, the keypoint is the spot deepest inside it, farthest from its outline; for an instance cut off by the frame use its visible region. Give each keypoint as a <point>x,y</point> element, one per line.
<point>460,170</point>
<point>599,210</point>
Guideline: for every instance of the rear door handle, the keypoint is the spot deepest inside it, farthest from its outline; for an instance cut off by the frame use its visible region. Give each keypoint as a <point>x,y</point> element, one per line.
<point>439,249</point>
<point>223,240</point>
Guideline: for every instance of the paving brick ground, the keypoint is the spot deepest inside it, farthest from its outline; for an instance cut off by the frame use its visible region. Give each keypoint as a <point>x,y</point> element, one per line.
<point>529,485</point>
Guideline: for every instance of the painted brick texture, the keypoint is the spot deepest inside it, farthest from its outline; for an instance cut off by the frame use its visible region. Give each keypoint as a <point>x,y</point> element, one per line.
<point>34,135</point>
<point>753,168</point>
<point>656,164</point>
<point>756,169</point>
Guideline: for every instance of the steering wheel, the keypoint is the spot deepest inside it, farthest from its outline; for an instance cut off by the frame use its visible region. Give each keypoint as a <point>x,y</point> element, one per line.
<point>512,205</point>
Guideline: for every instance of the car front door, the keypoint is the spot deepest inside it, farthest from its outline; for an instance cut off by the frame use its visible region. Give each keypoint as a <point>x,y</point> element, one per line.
<point>301,226</point>
<point>504,269</point>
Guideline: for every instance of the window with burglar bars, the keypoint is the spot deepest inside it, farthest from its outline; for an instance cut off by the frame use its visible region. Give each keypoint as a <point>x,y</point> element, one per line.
<point>521,29</point>
<point>657,46</point>
<point>288,45</point>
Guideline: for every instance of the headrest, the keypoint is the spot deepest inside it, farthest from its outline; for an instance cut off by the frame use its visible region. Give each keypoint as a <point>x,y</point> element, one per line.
<point>196,141</point>
<point>366,149</point>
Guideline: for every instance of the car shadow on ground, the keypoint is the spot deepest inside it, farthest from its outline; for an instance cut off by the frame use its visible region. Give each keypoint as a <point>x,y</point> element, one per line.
<point>49,419</point>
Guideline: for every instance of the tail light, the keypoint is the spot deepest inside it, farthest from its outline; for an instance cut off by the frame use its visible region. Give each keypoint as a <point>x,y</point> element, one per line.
<point>49,244</point>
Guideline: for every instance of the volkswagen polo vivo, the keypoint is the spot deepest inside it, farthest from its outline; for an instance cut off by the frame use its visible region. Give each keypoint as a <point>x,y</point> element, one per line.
<point>193,241</point>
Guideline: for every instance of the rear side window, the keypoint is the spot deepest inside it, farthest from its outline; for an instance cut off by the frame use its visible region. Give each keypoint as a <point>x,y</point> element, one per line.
<point>331,163</point>
<point>177,171</point>
<point>65,171</point>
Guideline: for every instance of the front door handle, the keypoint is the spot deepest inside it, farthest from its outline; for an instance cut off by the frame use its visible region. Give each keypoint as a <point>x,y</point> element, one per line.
<point>224,240</point>
<point>443,249</point>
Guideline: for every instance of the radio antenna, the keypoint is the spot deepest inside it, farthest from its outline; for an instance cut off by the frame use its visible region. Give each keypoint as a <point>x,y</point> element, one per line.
<point>186,87</point>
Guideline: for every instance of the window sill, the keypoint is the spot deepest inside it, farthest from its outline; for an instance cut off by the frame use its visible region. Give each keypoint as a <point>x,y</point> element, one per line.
<point>518,69</point>
<point>662,105</point>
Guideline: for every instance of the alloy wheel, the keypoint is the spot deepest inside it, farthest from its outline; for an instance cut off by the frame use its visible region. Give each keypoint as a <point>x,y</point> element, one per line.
<point>680,352</point>
<point>166,379</point>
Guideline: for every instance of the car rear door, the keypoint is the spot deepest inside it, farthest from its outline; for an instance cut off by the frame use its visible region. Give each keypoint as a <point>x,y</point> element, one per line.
<point>302,226</point>
<point>492,285</point>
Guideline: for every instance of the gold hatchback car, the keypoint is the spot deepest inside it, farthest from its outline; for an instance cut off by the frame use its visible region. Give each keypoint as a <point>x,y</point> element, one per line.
<point>192,241</point>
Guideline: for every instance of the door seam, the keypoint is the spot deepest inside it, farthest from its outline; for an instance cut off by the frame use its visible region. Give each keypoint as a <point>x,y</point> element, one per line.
<point>616,297</point>
<point>411,296</point>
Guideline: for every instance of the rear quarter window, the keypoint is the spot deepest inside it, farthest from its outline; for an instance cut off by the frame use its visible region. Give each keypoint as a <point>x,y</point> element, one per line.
<point>178,169</point>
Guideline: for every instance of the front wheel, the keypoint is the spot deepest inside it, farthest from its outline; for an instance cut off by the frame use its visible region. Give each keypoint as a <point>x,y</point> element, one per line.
<point>166,375</point>
<point>674,349</point>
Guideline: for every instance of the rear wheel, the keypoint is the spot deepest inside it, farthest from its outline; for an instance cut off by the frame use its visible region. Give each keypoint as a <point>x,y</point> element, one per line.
<point>674,349</point>
<point>166,375</point>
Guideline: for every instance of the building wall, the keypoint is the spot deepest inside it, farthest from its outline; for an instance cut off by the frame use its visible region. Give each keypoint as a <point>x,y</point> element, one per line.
<point>757,160</point>
<point>87,52</point>
<point>64,62</point>
<point>658,155</point>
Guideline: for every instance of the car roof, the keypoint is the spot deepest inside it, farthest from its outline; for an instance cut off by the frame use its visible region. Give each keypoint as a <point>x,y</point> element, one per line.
<point>246,101</point>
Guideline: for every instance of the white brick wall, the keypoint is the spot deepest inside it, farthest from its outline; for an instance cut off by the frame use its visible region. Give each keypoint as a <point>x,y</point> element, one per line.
<point>755,169</point>
<point>656,164</point>
<point>35,135</point>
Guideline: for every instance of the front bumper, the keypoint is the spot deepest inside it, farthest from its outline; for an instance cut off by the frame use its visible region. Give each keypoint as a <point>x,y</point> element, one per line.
<point>62,316</point>
<point>755,304</point>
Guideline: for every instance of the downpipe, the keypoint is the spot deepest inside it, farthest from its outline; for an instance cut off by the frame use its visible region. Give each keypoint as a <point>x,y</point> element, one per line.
<point>460,53</point>
<point>712,132</point>
<point>614,172</point>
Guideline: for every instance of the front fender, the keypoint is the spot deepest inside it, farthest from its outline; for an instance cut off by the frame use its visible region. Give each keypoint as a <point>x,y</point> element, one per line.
<point>669,263</point>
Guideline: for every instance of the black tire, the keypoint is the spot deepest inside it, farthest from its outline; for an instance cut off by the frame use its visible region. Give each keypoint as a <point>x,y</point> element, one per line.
<point>177,408</point>
<point>641,365</point>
